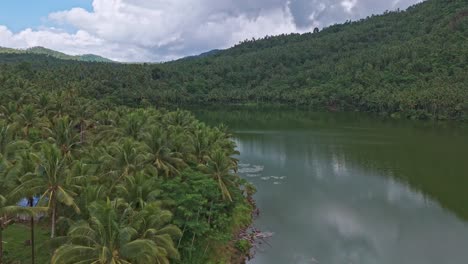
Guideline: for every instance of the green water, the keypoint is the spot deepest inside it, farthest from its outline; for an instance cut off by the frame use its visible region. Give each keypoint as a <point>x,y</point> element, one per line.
<point>349,188</point>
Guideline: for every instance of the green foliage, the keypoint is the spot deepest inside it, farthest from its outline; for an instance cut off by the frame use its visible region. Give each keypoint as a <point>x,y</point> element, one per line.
<point>82,136</point>
<point>243,246</point>
<point>409,63</point>
<point>123,185</point>
<point>116,234</point>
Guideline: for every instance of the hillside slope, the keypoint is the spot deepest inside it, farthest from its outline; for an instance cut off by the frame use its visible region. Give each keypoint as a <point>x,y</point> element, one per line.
<point>55,54</point>
<point>409,63</point>
<point>412,61</point>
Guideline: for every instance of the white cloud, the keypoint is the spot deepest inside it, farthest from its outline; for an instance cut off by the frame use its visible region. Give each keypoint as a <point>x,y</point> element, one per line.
<point>138,30</point>
<point>348,5</point>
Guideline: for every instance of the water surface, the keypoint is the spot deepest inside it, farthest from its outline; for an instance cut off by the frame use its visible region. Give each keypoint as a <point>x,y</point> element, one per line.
<point>350,188</point>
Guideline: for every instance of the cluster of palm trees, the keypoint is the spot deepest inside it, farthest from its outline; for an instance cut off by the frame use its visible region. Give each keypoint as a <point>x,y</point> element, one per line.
<point>96,172</point>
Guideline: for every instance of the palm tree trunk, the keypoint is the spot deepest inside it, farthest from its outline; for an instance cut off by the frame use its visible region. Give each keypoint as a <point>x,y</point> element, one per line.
<point>52,230</point>
<point>1,244</point>
<point>53,217</point>
<point>33,251</point>
<point>81,132</point>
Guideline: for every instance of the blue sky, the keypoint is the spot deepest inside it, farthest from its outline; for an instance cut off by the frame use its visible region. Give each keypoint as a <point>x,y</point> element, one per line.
<point>18,15</point>
<point>160,30</point>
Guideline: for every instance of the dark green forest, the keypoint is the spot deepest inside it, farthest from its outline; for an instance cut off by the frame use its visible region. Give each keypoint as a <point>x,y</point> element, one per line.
<point>408,64</point>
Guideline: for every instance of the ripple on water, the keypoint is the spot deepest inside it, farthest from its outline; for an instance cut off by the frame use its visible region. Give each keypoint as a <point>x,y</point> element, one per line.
<point>254,169</point>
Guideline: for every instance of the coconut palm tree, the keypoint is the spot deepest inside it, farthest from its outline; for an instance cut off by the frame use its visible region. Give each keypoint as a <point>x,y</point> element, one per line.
<point>132,124</point>
<point>63,133</point>
<point>43,104</point>
<point>9,152</point>
<point>9,147</point>
<point>53,180</point>
<point>220,166</point>
<point>25,166</point>
<point>27,119</point>
<point>109,236</point>
<point>7,214</point>
<point>161,156</point>
<point>179,118</point>
<point>201,144</point>
<point>9,111</point>
<point>153,223</point>
<point>122,159</point>
<point>83,112</point>
<point>139,190</point>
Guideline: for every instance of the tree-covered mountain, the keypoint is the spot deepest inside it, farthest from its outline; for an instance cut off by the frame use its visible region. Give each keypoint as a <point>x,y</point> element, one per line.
<point>55,54</point>
<point>204,54</point>
<point>410,63</point>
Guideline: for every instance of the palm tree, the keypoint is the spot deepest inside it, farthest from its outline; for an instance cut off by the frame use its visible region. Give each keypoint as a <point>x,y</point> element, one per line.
<point>25,166</point>
<point>83,126</point>
<point>179,118</point>
<point>133,124</point>
<point>52,180</point>
<point>83,112</point>
<point>9,111</point>
<point>201,144</point>
<point>27,118</point>
<point>160,154</point>
<point>108,237</point>
<point>219,166</point>
<point>153,223</point>
<point>123,159</point>
<point>223,137</point>
<point>7,214</point>
<point>114,125</point>
<point>62,132</point>
<point>43,103</point>
<point>9,147</point>
<point>138,190</point>
<point>9,152</point>
<point>89,194</point>
<point>107,118</point>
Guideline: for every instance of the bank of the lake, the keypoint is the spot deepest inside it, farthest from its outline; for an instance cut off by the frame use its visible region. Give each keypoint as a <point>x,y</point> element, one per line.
<point>353,188</point>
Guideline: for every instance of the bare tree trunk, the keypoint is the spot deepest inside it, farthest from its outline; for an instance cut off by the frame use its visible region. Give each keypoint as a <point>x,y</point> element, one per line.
<point>54,209</point>
<point>1,244</point>
<point>33,250</point>
<point>81,132</point>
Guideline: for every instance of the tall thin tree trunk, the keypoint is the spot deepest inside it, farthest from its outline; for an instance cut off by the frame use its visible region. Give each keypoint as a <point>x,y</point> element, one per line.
<point>81,132</point>
<point>209,225</point>
<point>193,238</point>
<point>33,248</point>
<point>1,244</point>
<point>54,209</point>
<point>52,231</point>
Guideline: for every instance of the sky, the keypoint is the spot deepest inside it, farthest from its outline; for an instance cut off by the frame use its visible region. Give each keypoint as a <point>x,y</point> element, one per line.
<point>161,30</point>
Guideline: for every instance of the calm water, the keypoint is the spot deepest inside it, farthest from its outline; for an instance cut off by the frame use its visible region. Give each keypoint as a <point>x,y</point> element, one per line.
<point>349,188</point>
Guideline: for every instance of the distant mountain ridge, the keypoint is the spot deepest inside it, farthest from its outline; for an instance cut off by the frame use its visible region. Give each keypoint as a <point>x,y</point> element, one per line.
<point>56,54</point>
<point>202,55</point>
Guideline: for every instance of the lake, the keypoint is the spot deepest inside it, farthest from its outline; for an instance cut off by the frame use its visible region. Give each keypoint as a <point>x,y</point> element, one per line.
<point>342,188</point>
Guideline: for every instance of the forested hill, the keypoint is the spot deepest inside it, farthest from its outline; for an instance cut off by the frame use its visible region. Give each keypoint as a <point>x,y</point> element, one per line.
<point>413,62</point>
<point>55,54</point>
<point>410,63</point>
